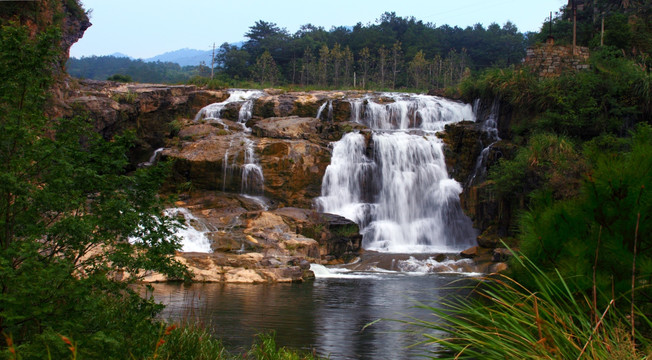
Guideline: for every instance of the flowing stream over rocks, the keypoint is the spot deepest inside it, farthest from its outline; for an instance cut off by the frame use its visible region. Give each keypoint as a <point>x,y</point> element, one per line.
<point>252,174</point>
<point>394,184</point>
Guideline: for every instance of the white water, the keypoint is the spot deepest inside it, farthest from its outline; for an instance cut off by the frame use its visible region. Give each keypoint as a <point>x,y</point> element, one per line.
<point>399,193</point>
<point>252,174</point>
<point>252,179</point>
<point>152,158</point>
<point>329,115</point>
<point>490,126</point>
<point>193,233</point>
<point>246,97</point>
<point>323,272</point>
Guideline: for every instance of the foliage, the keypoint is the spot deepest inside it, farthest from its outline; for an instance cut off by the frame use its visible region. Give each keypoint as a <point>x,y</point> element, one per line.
<point>610,215</point>
<point>549,165</point>
<point>103,67</point>
<point>626,24</point>
<point>609,98</point>
<point>120,78</point>
<point>265,348</point>
<point>72,223</point>
<point>546,320</point>
<point>190,342</point>
<point>365,56</point>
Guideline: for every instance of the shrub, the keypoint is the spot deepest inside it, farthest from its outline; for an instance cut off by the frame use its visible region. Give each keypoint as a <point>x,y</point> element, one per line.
<point>120,78</point>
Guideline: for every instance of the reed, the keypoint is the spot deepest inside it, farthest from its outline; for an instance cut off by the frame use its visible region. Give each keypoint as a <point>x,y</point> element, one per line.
<point>506,320</point>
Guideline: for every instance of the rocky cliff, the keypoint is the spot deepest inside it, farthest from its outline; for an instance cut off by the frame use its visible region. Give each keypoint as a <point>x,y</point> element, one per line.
<point>276,224</point>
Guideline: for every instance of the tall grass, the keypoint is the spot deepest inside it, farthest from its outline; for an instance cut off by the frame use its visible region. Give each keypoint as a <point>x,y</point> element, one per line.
<point>505,320</point>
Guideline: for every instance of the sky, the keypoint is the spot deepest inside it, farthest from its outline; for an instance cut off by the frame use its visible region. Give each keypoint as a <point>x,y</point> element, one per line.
<point>146,28</point>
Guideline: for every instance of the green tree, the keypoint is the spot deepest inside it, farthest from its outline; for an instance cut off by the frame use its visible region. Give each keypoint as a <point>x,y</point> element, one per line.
<point>418,68</point>
<point>265,69</point>
<point>397,58</point>
<point>72,224</point>
<point>365,64</point>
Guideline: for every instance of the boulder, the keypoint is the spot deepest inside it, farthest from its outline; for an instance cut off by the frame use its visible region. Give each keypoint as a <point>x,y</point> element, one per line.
<point>470,252</point>
<point>498,267</point>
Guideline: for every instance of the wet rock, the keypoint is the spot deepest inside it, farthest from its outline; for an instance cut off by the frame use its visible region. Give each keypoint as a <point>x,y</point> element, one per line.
<point>470,252</point>
<point>464,143</point>
<point>148,109</point>
<point>304,264</point>
<point>489,240</point>
<point>498,267</point>
<point>440,257</point>
<point>339,238</point>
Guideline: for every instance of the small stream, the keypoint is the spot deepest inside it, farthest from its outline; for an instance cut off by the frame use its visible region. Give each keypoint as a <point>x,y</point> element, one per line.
<point>326,315</point>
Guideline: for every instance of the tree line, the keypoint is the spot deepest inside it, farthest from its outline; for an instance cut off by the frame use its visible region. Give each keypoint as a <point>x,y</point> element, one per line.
<point>394,52</point>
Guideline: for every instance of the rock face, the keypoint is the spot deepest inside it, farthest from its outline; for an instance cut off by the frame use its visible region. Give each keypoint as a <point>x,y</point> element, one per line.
<point>149,110</point>
<point>472,149</point>
<point>253,245</point>
<point>285,142</point>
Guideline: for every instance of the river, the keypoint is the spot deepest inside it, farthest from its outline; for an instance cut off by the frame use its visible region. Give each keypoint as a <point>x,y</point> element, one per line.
<point>327,315</point>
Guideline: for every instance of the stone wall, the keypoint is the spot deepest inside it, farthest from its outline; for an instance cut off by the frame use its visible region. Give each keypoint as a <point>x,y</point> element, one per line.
<point>551,60</point>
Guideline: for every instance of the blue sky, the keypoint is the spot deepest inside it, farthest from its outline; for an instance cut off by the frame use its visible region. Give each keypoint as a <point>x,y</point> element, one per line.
<point>145,28</point>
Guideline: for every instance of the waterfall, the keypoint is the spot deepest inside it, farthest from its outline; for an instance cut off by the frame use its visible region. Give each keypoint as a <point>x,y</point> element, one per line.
<point>329,114</point>
<point>252,174</point>
<point>152,158</point>
<point>399,192</point>
<point>193,233</point>
<point>490,127</point>
<point>246,97</point>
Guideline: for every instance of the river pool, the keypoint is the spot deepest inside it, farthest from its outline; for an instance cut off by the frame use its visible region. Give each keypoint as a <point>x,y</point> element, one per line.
<point>327,315</point>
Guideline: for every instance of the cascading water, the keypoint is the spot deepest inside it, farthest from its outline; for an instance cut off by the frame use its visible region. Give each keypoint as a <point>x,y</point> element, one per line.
<point>399,192</point>
<point>152,158</point>
<point>490,126</point>
<point>246,97</point>
<point>329,114</point>
<point>193,233</point>
<point>252,174</point>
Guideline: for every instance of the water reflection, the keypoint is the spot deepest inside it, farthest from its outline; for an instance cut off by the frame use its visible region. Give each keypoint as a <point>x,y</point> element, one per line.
<point>328,314</point>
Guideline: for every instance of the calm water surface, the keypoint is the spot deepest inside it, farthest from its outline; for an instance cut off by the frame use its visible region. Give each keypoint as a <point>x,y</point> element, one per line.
<point>327,315</point>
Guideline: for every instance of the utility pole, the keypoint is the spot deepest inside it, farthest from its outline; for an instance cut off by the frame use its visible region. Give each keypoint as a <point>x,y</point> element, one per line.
<point>602,31</point>
<point>212,61</point>
<point>574,4</point>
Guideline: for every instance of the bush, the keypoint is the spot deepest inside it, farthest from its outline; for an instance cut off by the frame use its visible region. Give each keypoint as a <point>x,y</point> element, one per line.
<point>120,78</point>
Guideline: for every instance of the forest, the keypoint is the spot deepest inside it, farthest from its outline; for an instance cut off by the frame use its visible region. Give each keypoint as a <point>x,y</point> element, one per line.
<point>395,52</point>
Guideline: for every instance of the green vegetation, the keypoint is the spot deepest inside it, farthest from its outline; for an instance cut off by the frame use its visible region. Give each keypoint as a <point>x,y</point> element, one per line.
<point>66,214</point>
<point>120,78</point>
<point>544,320</point>
<point>578,191</point>
<point>76,231</point>
<point>393,53</point>
<point>103,67</point>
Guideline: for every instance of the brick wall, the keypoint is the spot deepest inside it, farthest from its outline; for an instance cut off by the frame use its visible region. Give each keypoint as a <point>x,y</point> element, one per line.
<point>551,60</point>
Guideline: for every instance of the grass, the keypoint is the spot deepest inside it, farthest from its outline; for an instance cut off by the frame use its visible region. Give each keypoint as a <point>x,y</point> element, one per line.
<point>505,320</point>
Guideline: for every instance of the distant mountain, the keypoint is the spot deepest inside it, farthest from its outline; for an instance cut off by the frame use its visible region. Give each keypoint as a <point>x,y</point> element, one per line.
<point>120,55</point>
<point>184,57</point>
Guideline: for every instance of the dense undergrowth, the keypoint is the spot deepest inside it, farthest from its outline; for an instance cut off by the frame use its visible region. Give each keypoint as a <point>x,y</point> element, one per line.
<point>580,183</point>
